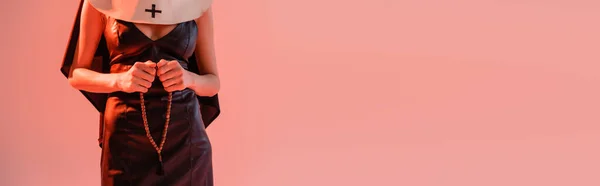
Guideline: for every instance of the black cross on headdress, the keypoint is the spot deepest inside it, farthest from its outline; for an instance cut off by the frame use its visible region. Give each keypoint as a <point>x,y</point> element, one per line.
<point>153,10</point>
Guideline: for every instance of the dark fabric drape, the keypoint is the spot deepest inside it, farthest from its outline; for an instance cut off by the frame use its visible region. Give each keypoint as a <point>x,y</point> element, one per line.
<point>209,106</point>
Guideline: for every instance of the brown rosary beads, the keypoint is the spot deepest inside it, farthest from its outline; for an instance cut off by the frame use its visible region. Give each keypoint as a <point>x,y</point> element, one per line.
<point>158,148</point>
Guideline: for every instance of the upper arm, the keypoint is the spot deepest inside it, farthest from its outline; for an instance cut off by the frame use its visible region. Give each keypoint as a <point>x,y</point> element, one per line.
<point>205,50</point>
<point>91,28</point>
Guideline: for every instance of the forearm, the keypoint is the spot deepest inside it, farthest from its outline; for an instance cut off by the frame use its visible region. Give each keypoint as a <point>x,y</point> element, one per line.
<point>92,81</point>
<point>204,85</point>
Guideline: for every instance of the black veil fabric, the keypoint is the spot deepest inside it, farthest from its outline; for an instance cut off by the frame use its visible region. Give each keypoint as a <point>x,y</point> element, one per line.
<point>209,106</point>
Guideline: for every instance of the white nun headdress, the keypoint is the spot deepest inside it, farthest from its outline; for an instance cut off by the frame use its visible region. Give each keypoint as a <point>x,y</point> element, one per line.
<point>152,11</point>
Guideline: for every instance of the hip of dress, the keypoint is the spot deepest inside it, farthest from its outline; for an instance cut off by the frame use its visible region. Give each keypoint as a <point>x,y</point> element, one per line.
<point>128,154</point>
<point>128,107</point>
<point>125,130</point>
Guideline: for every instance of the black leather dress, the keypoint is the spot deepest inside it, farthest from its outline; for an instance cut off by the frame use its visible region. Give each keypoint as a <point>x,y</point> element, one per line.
<point>128,157</point>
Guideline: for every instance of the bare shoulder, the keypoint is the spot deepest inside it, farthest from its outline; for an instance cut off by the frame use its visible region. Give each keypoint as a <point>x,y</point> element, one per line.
<point>205,44</point>
<point>90,14</point>
<point>205,17</point>
<point>91,28</point>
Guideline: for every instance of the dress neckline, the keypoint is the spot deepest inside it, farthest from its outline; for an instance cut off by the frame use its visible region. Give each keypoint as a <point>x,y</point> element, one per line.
<point>148,37</point>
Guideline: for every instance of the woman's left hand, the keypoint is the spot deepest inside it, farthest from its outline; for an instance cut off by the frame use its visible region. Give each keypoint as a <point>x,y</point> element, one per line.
<point>173,76</point>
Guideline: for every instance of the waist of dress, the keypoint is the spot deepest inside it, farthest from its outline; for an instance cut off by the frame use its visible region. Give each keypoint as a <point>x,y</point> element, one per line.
<point>155,94</point>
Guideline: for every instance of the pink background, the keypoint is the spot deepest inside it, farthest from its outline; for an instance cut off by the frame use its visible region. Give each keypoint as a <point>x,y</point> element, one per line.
<point>353,93</point>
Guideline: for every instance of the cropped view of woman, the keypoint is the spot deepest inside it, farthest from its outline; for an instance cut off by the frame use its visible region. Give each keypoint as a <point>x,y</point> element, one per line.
<point>149,68</point>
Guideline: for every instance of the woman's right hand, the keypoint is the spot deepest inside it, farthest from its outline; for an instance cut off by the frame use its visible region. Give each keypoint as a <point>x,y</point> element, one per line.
<point>138,78</point>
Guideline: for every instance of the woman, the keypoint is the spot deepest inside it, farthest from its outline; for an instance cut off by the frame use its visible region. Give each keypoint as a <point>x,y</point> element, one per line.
<point>148,66</point>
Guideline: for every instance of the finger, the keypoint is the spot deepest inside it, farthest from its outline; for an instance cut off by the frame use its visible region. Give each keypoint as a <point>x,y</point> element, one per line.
<point>151,67</point>
<point>169,89</point>
<point>150,64</point>
<point>171,82</point>
<point>165,68</point>
<point>142,82</point>
<point>161,63</point>
<point>145,66</point>
<point>169,65</point>
<point>174,87</point>
<point>174,73</point>
<point>143,75</point>
<point>138,88</point>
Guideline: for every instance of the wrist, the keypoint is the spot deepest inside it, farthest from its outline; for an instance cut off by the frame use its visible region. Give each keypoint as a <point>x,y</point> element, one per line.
<point>115,82</point>
<point>204,85</point>
<point>189,80</point>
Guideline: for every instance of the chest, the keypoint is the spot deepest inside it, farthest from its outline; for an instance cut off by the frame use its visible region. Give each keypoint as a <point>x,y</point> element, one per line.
<point>155,32</point>
<point>126,39</point>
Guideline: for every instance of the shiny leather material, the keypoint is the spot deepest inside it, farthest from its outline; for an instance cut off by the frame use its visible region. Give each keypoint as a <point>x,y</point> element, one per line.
<point>209,106</point>
<point>128,158</point>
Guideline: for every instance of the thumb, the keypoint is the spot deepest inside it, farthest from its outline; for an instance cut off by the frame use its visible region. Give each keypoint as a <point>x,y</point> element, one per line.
<point>161,63</point>
<point>150,64</point>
